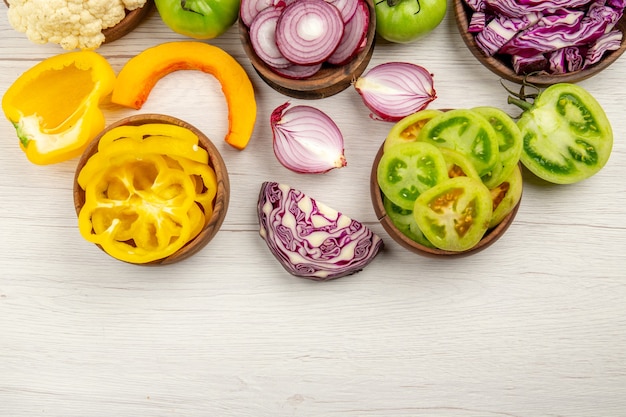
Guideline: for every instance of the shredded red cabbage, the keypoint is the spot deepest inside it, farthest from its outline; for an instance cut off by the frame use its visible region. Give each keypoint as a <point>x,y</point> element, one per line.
<point>555,36</point>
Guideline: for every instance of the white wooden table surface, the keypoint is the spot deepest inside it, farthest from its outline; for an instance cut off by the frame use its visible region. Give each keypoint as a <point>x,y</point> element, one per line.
<point>533,326</point>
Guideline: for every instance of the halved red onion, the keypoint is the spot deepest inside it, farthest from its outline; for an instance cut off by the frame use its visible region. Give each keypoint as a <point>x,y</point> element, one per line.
<point>263,37</point>
<point>355,31</point>
<point>346,8</point>
<point>298,72</point>
<point>394,90</point>
<point>309,31</point>
<point>310,239</point>
<point>306,140</point>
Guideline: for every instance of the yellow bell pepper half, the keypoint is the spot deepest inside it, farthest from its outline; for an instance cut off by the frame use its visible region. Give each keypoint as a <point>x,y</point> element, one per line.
<point>54,105</point>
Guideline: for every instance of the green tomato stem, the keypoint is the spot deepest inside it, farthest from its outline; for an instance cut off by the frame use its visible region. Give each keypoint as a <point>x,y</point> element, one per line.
<point>522,104</point>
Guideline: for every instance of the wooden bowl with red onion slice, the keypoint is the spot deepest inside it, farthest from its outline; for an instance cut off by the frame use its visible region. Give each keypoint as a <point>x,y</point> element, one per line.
<point>308,49</point>
<point>507,45</point>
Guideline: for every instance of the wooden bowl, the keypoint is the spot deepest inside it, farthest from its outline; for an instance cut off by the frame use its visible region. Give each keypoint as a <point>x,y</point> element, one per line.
<point>215,160</point>
<point>503,68</point>
<point>326,82</point>
<point>130,22</point>
<point>376,195</point>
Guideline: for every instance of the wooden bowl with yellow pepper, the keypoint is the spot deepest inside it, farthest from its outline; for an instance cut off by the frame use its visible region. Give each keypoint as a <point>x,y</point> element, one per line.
<point>151,189</point>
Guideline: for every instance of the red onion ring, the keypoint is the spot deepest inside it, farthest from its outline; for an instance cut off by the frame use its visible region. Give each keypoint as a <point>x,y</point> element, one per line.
<point>394,90</point>
<point>346,8</point>
<point>263,37</point>
<point>354,34</point>
<point>309,31</point>
<point>248,9</point>
<point>306,140</point>
<point>298,72</point>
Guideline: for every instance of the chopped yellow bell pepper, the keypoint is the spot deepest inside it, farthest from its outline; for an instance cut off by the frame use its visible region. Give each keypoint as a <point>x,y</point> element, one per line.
<point>54,105</point>
<point>146,195</point>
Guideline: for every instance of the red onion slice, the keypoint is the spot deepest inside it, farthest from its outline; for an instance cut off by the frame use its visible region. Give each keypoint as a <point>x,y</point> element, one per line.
<point>394,90</point>
<point>310,239</point>
<point>309,31</point>
<point>355,31</point>
<point>346,8</point>
<point>298,72</point>
<point>248,9</point>
<point>306,140</point>
<point>263,37</point>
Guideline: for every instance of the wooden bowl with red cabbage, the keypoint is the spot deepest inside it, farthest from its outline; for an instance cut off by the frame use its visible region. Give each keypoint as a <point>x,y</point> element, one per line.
<point>573,41</point>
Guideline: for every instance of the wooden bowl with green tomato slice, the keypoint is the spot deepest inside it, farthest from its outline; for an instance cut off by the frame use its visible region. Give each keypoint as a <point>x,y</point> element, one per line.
<point>294,48</point>
<point>151,189</point>
<point>437,200</point>
<point>569,65</point>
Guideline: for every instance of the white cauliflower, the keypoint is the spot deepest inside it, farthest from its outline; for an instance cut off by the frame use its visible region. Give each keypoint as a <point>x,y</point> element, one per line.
<point>73,24</point>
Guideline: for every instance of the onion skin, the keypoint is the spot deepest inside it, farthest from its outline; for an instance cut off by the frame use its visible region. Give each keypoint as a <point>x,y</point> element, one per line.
<point>311,240</point>
<point>306,140</point>
<point>394,90</point>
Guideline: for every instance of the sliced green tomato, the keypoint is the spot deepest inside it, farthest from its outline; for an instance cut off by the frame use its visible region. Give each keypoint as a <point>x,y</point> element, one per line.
<point>455,214</point>
<point>467,132</point>
<point>407,129</point>
<point>458,165</point>
<point>505,196</point>
<point>509,144</point>
<point>405,171</point>
<point>566,135</point>
<point>405,222</point>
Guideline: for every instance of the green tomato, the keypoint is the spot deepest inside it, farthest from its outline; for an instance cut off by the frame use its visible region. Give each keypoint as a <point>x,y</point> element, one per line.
<point>407,128</point>
<point>467,132</point>
<point>505,196</point>
<point>408,169</point>
<point>454,214</point>
<point>509,144</point>
<point>566,134</point>
<point>458,164</point>
<point>404,221</point>
<point>404,21</point>
<point>199,19</point>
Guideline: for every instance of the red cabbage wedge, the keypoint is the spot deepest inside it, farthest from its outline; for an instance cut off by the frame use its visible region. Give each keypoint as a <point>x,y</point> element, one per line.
<point>310,239</point>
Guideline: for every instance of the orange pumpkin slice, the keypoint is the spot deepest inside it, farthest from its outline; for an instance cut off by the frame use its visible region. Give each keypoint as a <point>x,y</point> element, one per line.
<point>141,73</point>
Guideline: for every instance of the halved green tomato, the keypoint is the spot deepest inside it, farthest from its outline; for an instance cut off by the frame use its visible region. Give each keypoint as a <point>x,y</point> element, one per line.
<point>505,196</point>
<point>509,144</point>
<point>454,214</point>
<point>407,170</point>
<point>407,129</point>
<point>566,135</point>
<point>467,132</point>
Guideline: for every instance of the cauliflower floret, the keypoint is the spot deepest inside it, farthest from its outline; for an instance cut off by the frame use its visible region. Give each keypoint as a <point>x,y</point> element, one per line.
<point>73,24</point>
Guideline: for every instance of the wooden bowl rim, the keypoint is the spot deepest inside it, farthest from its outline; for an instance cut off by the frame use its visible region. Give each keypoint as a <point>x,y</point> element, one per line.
<point>126,25</point>
<point>490,237</point>
<point>502,69</point>
<point>222,196</point>
<point>328,81</point>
